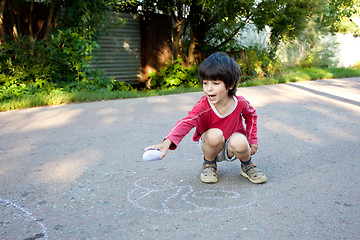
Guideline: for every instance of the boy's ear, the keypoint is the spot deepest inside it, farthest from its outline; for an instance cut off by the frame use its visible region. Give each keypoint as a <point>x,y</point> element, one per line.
<point>233,86</point>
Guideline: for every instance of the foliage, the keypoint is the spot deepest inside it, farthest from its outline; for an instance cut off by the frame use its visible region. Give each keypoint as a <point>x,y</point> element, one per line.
<point>174,75</point>
<point>345,21</point>
<point>74,49</point>
<point>60,62</point>
<point>313,48</point>
<point>130,6</point>
<point>60,97</point>
<point>41,67</point>
<point>27,17</point>
<point>87,17</point>
<point>258,63</point>
<point>356,65</point>
<point>321,57</point>
<point>303,74</point>
<point>201,27</point>
<point>25,67</point>
<point>335,14</point>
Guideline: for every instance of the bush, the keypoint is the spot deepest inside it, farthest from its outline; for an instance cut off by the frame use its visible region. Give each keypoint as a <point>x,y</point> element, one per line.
<point>174,75</point>
<point>25,67</point>
<point>320,57</point>
<point>258,63</point>
<point>34,66</point>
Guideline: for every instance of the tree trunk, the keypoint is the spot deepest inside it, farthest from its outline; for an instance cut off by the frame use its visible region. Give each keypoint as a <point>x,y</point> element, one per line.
<point>198,29</point>
<point>14,31</point>
<point>178,27</point>
<point>243,56</point>
<point>56,13</point>
<point>190,60</point>
<point>49,22</point>
<point>18,21</point>
<point>2,30</point>
<point>176,38</point>
<point>31,34</point>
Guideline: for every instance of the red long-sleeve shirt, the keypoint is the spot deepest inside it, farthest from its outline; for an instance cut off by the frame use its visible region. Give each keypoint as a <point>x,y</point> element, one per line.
<point>204,116</point>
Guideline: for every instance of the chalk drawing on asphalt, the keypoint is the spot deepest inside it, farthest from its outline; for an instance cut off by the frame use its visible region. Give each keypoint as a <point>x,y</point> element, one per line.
<point>167,198</point>
<point>12,210</point>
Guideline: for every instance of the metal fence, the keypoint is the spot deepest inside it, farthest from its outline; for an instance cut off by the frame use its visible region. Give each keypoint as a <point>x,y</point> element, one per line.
<point>120,50</point>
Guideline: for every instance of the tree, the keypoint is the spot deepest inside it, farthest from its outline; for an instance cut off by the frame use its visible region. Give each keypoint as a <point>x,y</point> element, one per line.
<point>2,30</point>
<point>192,22</point>
<point>338,16</point>
<point>203,26</point>
<point>49,42</point>
<point>28,17</point>
<point>36,19</point>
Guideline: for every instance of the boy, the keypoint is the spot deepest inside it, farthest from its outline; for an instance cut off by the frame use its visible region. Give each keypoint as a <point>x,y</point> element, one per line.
<point>218,119</point>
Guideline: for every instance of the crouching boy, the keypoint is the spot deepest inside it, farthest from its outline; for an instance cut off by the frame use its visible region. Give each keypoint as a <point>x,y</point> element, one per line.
<point>218,118</point>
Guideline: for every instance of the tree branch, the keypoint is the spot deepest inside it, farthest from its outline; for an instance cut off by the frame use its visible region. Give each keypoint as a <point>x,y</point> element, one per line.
<point>227,40</point>
<point>231,36</point>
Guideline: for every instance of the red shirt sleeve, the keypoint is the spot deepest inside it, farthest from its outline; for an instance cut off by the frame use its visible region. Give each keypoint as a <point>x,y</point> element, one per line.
<point>183,127</point>
<point>250,117</point>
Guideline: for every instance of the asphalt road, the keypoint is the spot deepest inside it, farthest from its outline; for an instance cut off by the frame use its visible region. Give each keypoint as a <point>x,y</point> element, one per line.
<point>76,171</point>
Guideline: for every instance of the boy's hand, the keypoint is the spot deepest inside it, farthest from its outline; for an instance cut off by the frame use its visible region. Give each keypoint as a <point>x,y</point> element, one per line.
<point>164,147</point>
<point>253,148</point>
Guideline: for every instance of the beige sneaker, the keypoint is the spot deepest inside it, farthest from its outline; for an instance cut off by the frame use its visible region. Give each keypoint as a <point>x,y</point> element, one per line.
<point>253,174</point>
<point>208,173</point>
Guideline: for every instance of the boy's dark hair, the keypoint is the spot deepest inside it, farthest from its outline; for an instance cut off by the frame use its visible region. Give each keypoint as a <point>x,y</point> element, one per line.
<point>219,66</point>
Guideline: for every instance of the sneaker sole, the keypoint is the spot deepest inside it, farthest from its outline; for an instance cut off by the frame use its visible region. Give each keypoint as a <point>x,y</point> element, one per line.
<point>258,181</point>
<point>204,180</point>
<point>210,182</point>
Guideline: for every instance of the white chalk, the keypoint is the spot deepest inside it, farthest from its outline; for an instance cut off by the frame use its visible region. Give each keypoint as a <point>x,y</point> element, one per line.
<point>152,154</point>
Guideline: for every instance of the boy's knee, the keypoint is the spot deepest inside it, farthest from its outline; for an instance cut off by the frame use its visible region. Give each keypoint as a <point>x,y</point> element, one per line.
<point>213,137</point>
<point>238,143</point>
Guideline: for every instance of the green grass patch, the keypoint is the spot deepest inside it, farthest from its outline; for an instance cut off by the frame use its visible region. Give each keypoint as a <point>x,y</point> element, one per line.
<point>62,97</point>
<point>304,74</point>
<point>58,97</point>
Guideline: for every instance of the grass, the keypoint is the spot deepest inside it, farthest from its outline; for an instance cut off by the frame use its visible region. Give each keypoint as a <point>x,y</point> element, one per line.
<point>304,74</point>
<point>60,97</point>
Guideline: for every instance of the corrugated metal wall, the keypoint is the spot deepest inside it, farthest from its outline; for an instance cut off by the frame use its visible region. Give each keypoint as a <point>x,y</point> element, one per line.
<point>120,51</point>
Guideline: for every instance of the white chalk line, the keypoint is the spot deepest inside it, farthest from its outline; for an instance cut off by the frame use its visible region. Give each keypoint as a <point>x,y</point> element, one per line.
<point>27,214</point>
<point>189,193</point>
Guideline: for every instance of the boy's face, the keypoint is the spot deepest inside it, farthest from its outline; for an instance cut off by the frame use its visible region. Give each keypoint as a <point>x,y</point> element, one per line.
<point>216,91</point>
